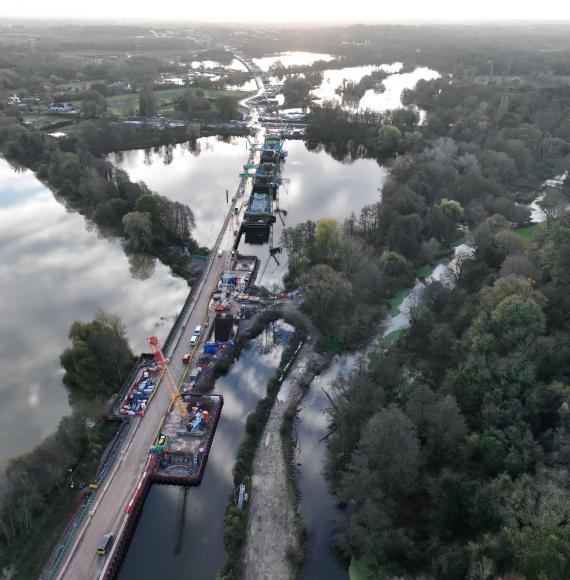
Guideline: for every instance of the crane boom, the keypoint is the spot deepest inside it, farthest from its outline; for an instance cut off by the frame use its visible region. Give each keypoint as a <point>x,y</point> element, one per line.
<point>162,363</point>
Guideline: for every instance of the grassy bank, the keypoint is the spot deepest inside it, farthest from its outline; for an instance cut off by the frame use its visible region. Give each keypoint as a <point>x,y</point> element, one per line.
<point>528,233</point>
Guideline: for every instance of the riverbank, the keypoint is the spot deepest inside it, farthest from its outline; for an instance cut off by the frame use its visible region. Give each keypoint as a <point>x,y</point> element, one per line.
<point>237,518</point>
<point>24,557</point>
<point>149,224</point>
<point>274,534</point>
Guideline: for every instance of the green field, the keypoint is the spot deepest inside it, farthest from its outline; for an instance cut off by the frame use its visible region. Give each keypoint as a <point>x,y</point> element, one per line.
<point>128,102</point>
<point>528,233</point>
<point>42,121</point>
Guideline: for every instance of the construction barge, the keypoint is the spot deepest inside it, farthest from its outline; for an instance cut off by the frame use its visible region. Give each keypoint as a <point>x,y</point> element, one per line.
<point>259,214</point>
<point>180,450</point>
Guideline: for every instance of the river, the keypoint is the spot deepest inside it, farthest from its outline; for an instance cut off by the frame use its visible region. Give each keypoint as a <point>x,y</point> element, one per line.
<point>157,550</point>
<point>317,505</point>
<point>55,268</point>
<point>316,186</point>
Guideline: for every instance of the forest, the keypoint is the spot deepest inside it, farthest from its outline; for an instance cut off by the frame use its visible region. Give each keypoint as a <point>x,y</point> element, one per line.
<point>448,448</point>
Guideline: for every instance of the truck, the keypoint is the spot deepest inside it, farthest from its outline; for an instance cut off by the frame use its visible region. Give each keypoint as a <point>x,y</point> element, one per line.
<point>105,543</point>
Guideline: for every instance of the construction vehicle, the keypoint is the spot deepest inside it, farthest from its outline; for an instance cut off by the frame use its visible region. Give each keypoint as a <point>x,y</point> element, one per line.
<point>162,364</point>
<point>160,444</point>
<point>191,421</point>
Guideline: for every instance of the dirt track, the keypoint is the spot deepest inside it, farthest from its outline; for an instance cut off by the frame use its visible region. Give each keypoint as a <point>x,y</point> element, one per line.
<point>270,532</point>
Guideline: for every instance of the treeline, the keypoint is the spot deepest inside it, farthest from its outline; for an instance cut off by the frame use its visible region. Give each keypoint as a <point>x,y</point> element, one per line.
<point>348,280</point>
<point>49,477</point>
<point>102,136</point>
<point>450,449</point>
<point>148,222</point>
<point>352,91</point>
<point>462,50</point>
<point>363,132</point>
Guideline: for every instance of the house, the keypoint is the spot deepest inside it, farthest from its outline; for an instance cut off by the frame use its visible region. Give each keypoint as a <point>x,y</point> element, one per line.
<point>61,108</point>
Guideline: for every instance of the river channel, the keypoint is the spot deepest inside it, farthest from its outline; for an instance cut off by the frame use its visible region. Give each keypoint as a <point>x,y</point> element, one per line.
<point>315,186</point>
<point>56,268</point>
<point>157,549</point>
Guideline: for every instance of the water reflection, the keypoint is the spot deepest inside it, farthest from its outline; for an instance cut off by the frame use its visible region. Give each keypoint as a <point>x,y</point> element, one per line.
<point>333,79</point>
<point>54,270</point>
<point>290,58</point>
<point>196,174</point>
<point>317,506</point>
<point>153,553</point>
<point>214,64</point>
<point>394,85</point>
<point>316,185</point>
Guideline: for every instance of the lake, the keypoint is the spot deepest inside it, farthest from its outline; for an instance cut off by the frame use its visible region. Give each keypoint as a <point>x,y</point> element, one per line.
<point>55,268</point>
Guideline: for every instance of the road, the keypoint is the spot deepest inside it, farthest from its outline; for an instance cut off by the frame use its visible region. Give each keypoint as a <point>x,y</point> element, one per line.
<point>108,512</point>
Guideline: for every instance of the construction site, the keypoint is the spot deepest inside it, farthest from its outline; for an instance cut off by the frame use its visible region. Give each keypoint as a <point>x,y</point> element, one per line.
<point>185,436</point>
<point>173,447</point>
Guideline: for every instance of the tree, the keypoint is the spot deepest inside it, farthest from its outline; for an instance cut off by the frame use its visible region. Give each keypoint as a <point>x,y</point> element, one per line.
<point>138,229</point>
<point>397,270</point>
<point>517,319</point>
<point>227,107</point>
<point>296,91</point>
<point>147,102</point>
<point>553,203</point>
<point>329,298</point>
<point>171,220</point>
<point>388,141</point>
<point>93,103</point>
<point>327,240</point>
<point>388,454</point>
<point>99,358</point>
<point>381,474</point>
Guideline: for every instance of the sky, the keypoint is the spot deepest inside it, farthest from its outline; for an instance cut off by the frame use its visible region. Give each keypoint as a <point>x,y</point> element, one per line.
<point>308,11</point>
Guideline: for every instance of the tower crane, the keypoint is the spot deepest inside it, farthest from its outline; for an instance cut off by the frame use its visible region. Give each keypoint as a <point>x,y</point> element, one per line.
<point>162,364</point>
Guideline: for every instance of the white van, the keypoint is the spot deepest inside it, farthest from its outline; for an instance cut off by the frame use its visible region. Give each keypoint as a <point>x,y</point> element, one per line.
<point>193,340</point>
<point>198,330</point>
<point>220,253</point>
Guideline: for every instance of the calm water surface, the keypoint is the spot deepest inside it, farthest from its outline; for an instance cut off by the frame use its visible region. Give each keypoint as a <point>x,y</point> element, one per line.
<point>394,85</point>
<point>316,186</point>
<point>55,269</point>
<point>196,175</point>
<point>157,549</point>
<point>290,58</point>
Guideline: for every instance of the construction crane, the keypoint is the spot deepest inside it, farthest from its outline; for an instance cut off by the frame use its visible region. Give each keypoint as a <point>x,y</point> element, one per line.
<point>162,364</point>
